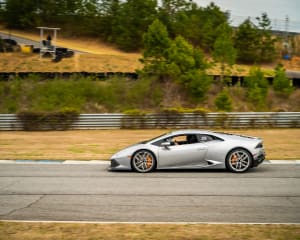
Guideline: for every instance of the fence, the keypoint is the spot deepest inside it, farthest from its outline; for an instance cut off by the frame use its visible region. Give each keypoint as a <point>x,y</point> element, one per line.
<point>179,120</point>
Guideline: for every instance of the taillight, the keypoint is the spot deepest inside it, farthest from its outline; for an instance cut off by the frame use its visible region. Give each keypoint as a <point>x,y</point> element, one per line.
<point>260,145</point>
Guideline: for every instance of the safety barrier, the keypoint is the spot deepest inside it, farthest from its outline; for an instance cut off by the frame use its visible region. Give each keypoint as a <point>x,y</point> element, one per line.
<point>181,120</point>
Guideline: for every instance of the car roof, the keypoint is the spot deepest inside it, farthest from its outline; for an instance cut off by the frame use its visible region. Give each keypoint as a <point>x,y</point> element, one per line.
<point>227,136</point>
<point>222,135</point>
<point>190,131</point>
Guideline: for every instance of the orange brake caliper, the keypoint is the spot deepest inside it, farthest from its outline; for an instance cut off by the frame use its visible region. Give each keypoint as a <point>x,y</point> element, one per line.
<point>234,159</point>
<point>149,161</point>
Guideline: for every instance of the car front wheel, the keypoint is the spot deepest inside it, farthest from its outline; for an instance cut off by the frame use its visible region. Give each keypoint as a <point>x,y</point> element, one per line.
<point>238,160</point>
<point>143,161</point>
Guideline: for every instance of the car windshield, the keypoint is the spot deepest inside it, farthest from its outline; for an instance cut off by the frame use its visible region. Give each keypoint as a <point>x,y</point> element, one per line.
<point>150,140</point>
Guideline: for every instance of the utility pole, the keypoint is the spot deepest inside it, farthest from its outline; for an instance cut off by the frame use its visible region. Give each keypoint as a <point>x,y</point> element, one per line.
<point>286,28</point>
<point>287,51</point>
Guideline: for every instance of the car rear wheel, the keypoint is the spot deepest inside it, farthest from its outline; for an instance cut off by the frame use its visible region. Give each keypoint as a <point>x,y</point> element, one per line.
<point>238,160</point>
<point>143,161</point>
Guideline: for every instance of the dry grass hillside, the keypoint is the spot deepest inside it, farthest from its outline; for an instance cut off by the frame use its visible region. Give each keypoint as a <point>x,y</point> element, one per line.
<point>22,62</point>
<point>98,57</point>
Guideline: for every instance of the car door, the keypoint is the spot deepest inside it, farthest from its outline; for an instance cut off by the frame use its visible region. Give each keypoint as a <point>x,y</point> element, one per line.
<point>184,154</point>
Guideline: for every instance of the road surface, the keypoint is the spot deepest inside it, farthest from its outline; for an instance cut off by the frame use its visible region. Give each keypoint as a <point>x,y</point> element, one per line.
<point>58,192</point>
<point>26,41</point>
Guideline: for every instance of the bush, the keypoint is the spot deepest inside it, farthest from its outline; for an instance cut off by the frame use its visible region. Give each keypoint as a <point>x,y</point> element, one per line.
<point>41,121</point>
<point>257,88</point>
<point>133,119</point>
<point>79,93</point>
<point>281,83</point>
<point>223,101</point>
<point>222,121</point>
<point>198,83</point>
<point>164,118</point>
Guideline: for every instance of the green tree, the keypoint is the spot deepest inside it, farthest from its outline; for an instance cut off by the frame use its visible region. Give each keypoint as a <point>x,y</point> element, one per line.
<point>257,88</point>
<point>224,51</point>
<point>156,45</point>
<point>267,41</point>
<point>156,41</point>
<point>181,54</point>
<point>49,11</point>
<point>170,10</point>
<point>246,42</point>
<point>223,101</point>
<point>187,66</point>
<point>281,83</point>
<point>20,14</point>
<point>134,18</point>
<point>174,61</point>
<point>207,36</point>
<point>211,17</point>
<point>194,23</point>
<point>2,7</point>
<point>109,12</point>
<point>197,82</point>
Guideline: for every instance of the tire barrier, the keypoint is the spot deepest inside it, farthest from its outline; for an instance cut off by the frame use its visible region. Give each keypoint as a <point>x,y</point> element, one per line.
<point>6,76</point>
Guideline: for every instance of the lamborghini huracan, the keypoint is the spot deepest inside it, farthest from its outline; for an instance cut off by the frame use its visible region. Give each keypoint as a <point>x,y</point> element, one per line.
<point>191,149</point>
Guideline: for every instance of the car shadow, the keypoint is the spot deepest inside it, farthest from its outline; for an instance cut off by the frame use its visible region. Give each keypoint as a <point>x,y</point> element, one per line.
<point>190,170</point>
<point>260,169</point>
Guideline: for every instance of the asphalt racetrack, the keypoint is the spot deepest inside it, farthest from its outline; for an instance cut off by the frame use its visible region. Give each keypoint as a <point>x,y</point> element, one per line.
<point>66,192</point>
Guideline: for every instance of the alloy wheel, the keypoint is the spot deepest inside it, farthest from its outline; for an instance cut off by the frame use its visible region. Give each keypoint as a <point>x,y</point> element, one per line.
<point>239,160</point>
<point>143,161</point>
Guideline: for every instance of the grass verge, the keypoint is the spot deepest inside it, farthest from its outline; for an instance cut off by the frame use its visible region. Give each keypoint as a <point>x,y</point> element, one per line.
<point>21,62</point>
<point>72,231</point>
<point>101,144</point>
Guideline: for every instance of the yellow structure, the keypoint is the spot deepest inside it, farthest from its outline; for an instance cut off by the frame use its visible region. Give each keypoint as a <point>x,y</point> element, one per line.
<point>26,48</point>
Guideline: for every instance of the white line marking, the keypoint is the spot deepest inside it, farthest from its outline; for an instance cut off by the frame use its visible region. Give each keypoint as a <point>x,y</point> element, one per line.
<point>7,161</point>
<point>283,161</point>
<point>85,162</point>
<point>266,162</point>
<point>106,162</point>
<point>149,223</point>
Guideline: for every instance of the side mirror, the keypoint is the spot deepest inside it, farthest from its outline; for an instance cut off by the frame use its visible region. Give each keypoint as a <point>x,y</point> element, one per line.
<point>166,144</point>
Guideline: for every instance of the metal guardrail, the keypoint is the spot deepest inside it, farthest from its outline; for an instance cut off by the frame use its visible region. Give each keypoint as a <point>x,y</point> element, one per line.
<point>187,120</point>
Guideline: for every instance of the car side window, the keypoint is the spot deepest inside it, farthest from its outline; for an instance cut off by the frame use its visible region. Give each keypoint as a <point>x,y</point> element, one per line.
<point>178,140</point>
<point>187,139</point>
<point>182,139</point>
<point>206,138</point>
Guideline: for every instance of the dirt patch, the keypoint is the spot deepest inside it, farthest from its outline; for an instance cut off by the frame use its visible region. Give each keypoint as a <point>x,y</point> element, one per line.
<point>101,144</point>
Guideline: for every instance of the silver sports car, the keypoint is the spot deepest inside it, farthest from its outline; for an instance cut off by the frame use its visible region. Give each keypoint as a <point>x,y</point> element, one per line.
<point>191,149</point>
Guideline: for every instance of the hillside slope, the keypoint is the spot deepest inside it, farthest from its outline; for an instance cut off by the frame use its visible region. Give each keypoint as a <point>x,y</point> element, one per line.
<point>99,57</point>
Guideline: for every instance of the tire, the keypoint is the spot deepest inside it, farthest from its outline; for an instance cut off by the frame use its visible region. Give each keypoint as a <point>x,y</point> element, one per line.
<point>143,161</point>
<point>238,160</point>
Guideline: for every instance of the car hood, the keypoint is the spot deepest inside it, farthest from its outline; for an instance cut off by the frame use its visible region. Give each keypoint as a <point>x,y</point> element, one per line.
<point>128,151</point>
